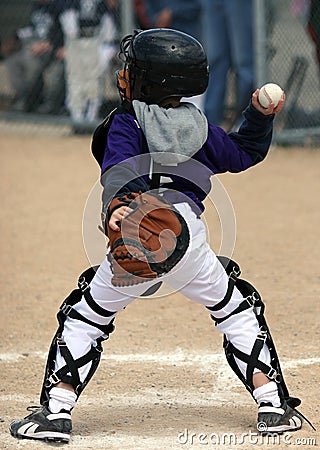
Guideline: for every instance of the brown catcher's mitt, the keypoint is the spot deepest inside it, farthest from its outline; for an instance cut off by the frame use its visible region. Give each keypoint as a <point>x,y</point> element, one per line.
<point>152,239</point>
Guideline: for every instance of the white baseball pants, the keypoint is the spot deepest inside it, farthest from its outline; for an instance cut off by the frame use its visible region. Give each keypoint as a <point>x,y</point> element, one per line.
<point>199,276</point>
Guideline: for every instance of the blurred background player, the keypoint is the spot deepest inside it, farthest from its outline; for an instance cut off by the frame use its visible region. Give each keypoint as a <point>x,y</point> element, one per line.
<point>35,63</point>
<point>89,57</point>
<point>314,27</point>
<point>228,39</point>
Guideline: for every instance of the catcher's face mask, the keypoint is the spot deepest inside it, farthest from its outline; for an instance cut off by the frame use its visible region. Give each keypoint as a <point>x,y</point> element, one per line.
<point>124,76</point>
<point>123,84</point>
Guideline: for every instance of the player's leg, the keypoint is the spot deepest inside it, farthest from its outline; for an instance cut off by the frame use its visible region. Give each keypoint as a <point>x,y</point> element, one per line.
<point>216,41</point>
<point>35,68</point>
<point>259,368</point>
<point>241,45</point>
<point>54,88</point>
<point>76,94</point>
<point>16,67</point>
<point>234,305</point>
<point>85,321</point>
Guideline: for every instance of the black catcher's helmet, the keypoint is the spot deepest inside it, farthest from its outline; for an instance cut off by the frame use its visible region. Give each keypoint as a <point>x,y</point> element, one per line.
<point>161,63</point>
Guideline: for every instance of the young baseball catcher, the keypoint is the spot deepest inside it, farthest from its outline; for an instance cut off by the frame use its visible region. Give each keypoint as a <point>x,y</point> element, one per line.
<point>157,155</point>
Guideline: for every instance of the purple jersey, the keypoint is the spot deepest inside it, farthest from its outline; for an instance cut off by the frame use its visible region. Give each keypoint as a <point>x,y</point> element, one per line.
<point>222,152</point>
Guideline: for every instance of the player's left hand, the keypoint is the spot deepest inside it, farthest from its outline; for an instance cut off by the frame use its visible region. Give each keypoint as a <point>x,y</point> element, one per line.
<point>272,108</point>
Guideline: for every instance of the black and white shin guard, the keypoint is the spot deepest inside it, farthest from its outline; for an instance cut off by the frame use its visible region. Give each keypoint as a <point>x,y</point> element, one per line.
<point>69,373</point>
<point>251,298</point>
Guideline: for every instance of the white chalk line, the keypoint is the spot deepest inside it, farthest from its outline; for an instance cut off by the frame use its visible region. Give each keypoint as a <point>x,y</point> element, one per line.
<point>222,392</point>
<point>224,381</point>
<point>165,397</point>
<point>104,441</point>
<point>176,358</point>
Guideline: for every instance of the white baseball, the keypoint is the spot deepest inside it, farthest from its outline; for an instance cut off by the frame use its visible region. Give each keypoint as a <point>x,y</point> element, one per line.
<point>269,93</point>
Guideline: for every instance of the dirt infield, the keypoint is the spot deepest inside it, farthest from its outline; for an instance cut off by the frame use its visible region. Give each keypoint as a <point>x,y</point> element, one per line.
<point>163,382</point>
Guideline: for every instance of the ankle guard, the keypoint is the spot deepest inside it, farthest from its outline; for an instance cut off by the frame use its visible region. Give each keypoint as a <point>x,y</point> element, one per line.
<point>251,298</point>
<point>69,373</point>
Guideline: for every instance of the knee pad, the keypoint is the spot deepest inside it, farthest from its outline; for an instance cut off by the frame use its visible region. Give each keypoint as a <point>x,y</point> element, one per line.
<point>251,298</point>
<point>69,372</point>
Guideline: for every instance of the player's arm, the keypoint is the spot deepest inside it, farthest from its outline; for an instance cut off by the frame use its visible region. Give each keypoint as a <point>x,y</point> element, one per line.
<point>237,151</point>
<point>255,133</point>
<point>121,178</point>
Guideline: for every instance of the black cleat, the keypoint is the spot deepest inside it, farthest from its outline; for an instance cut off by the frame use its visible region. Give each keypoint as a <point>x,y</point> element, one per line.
<point>278,420</point>
<point>44,425</point>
